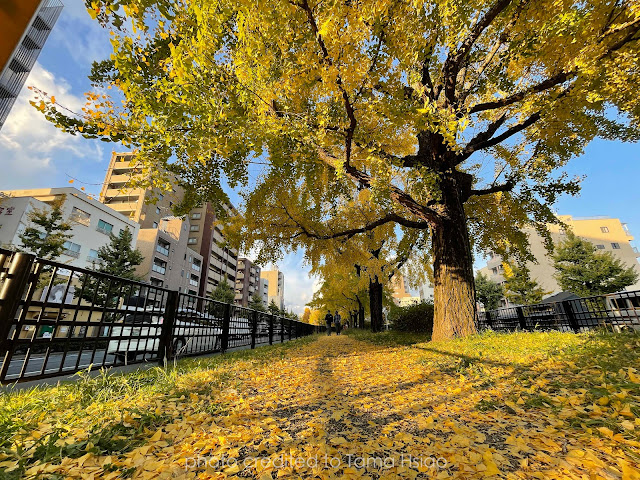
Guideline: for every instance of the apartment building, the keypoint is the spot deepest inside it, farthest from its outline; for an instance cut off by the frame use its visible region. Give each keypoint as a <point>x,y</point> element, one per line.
<point>148,207</point>
<point>92,221</point>
<point>606,233</point>
<point>168,260</point>
<point>25,26</point>
<point>275,287</point>
<point>206,237</point>
<point>247,281</point>
<point>145,206</point>
<point>264,290</point>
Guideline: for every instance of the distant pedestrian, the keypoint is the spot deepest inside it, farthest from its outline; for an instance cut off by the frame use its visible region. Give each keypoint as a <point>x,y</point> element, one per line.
<point>336,321</point>
<point>328,318</point>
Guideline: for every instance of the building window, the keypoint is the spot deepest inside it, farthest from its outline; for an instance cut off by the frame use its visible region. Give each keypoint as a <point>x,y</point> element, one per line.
<point>104,227</point>
<point>80,216</point>
<point>192,240</point>
<point>163,247</point>
<point>615,246</point>
<point>158,210</point>
<point>196,265</point>
<point>155,282</point>
<point>196,216</point>
<point>600,247</point>
<point>71,249</point>
<point>194,228</point>
<point>155,224</point>
<point>93,255</point>
<point>193,281</point>
<point>159,266</point>
<point>182,273</point>
<point>604,229</point>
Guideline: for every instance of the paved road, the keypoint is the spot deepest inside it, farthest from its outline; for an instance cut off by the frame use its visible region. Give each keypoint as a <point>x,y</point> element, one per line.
<point>36,361</point>
<point>87,358</point>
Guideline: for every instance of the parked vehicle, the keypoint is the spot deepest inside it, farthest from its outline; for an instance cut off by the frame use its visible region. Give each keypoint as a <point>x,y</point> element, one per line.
<point>140,332</point>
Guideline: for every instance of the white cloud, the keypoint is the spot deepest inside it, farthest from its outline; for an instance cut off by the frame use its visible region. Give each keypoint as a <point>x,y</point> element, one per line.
<point>81,36</point>
<point>31,149</point>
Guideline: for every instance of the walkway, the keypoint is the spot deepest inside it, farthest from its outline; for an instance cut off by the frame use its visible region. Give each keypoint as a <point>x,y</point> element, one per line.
<point>343,409</point>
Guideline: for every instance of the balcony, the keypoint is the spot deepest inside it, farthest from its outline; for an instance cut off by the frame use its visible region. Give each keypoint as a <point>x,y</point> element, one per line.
<point>105,231</point>
<point>71,253</point>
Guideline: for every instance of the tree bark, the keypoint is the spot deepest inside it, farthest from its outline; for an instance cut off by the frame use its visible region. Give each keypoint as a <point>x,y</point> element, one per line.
<point>375,304</point>
<point>454,289</point>
<point>361,316</point>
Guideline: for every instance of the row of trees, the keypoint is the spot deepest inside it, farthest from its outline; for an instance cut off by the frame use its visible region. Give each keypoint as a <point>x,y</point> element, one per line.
<point>580,269</point>
<point>404,101</point>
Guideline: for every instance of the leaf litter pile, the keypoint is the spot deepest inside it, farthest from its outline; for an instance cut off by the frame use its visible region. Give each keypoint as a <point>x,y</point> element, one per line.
<point>524,405</point>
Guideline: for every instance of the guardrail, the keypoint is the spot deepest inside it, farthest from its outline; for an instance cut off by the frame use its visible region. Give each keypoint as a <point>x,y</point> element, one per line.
<point>56,319</point>
<point>616,311</point>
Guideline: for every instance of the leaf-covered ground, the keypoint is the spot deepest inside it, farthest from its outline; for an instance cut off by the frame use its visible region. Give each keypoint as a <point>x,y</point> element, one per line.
<point>528,405</point>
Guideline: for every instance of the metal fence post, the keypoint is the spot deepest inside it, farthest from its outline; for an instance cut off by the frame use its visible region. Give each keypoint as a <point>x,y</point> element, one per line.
<point>226,321</point>
<point>254,329</point>
<point>488,319</point>
<point>290,327</point>
<point>14,285</point>
<point>521,318</point>
<point>571,317</point>
<point>165,347</point>
<point>281,330</point>
<point>271,329</point>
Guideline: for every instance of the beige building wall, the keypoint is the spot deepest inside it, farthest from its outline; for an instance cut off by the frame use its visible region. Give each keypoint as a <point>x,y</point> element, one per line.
<point>168,261</point>
<point>247,281</point>
<point>205,232</point>
<point>607,234</point>
<point>142,205</point>
<point>275,287</point>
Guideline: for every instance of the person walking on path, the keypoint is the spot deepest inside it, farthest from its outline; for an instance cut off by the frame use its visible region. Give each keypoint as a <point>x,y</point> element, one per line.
<point>336,321</point>
<point>328,318</point>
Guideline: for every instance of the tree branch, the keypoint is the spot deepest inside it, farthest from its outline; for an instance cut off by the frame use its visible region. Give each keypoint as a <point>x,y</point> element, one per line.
<point>504,187</point>
<point>453,62</point>
<point>546,84</point>
<point>425,212</point>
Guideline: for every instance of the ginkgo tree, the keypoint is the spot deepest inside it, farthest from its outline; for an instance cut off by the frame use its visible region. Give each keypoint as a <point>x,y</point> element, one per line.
<point>458,115</point>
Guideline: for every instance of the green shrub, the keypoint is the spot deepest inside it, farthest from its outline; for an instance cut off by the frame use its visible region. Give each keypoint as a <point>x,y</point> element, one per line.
<point>414,318</point>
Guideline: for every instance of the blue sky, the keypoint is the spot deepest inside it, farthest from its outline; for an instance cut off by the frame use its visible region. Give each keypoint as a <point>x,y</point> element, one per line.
<point>34,154</point>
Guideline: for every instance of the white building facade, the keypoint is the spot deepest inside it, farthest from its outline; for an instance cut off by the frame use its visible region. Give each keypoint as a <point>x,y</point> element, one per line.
<point>91,221</point>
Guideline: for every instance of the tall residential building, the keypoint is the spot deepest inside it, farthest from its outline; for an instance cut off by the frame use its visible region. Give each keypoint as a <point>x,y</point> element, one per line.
<point>92,221</point>
<point>25,27</point>
<point>276,286</point>
<point>607,234</point>
<point>207,238</point>
<point>264,290</point>
<point>149,207</point>
<point>247,281</point>
<point>142,205</point>
<point>168,261</point>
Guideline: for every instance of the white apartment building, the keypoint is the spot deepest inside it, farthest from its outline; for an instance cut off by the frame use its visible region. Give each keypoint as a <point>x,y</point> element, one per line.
<point>92,221</point>
<point>264,290</point>
<point>606,233</point>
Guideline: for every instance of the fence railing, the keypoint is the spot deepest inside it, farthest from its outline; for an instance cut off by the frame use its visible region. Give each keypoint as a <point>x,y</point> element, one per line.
<point>616,311</point>
<point>57,319</point>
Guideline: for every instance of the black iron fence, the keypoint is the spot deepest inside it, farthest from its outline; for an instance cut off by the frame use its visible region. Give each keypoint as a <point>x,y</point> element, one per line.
<point>616,311</point>
<point>57,319</point>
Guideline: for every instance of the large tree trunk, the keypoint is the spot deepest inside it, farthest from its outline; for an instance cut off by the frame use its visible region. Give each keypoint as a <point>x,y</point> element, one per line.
<point>361,316</point>
<point>375,304</point>
<point>454,289</point>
